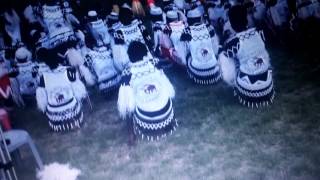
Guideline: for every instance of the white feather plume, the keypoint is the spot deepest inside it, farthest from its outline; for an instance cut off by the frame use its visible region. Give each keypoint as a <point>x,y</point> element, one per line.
<point>80,35</point>
<point>126,101</point>
<point>42,99</point>
<point>215,44</point>
<point>120,57</point>
<point>74,57</point>
<point>228,69</point>
<point>156,38</point>
<point>56,171</point>
<point>79,90</point>
<point>182,17</point>
<point>88,77</point>
<point>16,96</point>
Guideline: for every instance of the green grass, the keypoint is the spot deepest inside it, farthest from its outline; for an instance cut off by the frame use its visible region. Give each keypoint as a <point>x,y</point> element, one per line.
<point>217,138</point>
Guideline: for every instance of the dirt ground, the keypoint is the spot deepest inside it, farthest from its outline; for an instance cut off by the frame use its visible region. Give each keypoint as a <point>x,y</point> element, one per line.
<point>217,138</point>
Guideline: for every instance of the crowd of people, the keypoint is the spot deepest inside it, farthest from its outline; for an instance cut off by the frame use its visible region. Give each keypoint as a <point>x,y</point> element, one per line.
<point>53,50</point>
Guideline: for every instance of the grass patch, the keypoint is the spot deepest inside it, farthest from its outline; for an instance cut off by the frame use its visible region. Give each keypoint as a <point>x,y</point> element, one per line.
<point>217,137</point>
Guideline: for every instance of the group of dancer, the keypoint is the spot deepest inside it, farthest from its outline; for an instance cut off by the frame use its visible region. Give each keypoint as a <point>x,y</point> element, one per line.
<point>58,51</point>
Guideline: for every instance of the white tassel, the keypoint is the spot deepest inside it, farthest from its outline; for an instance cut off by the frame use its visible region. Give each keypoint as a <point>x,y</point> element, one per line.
<point>168,85</point>
<point>156,38</point>
<point>72,19</point>
<point>228,69</point>
<point>126,101</point>
<point>88,77</point>
<point>74,57</point>
<point>120,57</point>
<point>165,41</point>
<point>182,17</point>
<point>215,44</point>
<point>56,171</point>
<point>79,90</point>
<point>42,99</point>
<point>16,96</point>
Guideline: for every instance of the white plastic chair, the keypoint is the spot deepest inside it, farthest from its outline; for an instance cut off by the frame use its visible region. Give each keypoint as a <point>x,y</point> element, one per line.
<point>19,138</point>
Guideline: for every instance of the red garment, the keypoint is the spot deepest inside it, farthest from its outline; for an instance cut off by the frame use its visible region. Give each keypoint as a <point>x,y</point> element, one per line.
<point>4,120</point>
<point>148,1</point>
<point>5,89</point>
<point>171,55</point>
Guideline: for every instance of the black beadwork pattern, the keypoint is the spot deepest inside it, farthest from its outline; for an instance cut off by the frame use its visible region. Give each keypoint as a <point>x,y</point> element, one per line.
<point>157,127</point>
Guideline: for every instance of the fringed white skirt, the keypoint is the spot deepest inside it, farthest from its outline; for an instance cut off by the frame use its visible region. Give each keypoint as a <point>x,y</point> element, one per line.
<point>156,124</point>
<point>64,117</point>
<point>255,90</point>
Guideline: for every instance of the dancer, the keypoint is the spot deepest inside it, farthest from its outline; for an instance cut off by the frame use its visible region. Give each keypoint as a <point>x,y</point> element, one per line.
<point>27,76</point>
<point>98,29</point>
<point>60,95</point>
<point>203,44</point>
<point>174,29</point>
<point>101,65</point>
<point>162,42</point>
<point>145,96</point>
<point>217,13</point>
<point>131,29</point>
<point>9,86</point>
<point>58,27</point>
<point>245,63</point>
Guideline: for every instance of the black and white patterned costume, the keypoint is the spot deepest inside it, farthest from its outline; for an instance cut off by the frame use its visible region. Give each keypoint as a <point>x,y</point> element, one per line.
<point>202,64</point>
<point>58,28</point>
<point>146,94</point>
<point>59,96</point>
<point>132,32</point>
<point>254,82</point>
<point>27,76</point>
<point>123,36</point>
<point>101,64</point>
<point>245,63</point>
<point>98,29</point>
<point>113,24</point>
